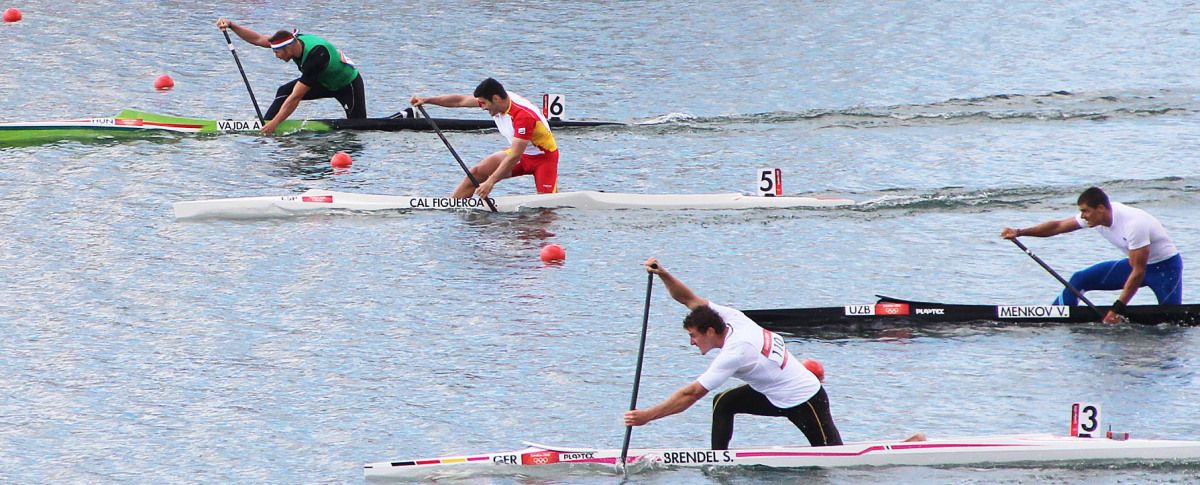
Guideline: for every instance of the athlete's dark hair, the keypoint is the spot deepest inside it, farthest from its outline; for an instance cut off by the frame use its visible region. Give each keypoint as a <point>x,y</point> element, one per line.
<point>1094,197</point>
<point>280,35</point>
<point>703,318</point>
<point>490,87</point>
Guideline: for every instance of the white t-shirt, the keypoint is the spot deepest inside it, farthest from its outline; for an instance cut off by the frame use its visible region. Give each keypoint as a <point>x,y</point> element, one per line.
<point>1133,228</point>
<point>761,358</point>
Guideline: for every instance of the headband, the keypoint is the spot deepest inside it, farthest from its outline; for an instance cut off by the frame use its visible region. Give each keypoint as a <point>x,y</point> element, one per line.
<point>281,43</point>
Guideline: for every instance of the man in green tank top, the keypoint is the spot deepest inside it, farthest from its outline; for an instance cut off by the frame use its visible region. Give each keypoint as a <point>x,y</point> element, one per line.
<point>325,72</point>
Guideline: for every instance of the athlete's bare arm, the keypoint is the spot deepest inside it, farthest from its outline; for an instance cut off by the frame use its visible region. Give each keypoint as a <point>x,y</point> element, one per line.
<point>247,35</point>
<point>289,107</point>
<point>1137,261</point>
<point>447,101</point>
<point>504,169</point>
<point>679,291</point>
<point>679,401</point>
<point>1045,229</point>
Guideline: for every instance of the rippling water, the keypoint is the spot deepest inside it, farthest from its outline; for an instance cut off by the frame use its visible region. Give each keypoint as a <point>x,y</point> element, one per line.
<point>140,349</point>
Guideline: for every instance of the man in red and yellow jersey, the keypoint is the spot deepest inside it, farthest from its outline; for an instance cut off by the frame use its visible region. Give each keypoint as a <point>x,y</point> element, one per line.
<point>532,149</point>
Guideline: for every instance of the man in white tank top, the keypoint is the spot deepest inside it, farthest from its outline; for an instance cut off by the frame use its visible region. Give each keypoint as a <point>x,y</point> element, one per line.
<point>1153,260</point>
<point>776,383</point>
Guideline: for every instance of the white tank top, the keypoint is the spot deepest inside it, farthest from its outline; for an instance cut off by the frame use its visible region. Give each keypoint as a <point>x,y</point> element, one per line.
<point>1133,228</point>
<point>761,359</point>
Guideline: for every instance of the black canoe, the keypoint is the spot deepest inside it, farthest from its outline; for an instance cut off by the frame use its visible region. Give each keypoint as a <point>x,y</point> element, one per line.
<point>897,311</point>
<point>399,122</point>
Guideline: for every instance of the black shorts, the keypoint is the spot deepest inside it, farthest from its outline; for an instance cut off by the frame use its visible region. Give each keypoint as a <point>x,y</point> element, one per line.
<point>353,97</point>
<point>812,417</point>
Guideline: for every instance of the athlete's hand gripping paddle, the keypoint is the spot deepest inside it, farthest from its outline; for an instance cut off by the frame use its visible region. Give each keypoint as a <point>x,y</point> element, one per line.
<point>1065,283</point>
<point>470,175</point>
<point>637,376</point>
<point>246,80</point>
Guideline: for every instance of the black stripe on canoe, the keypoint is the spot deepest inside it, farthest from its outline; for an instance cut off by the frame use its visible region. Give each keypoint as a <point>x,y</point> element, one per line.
<point>889,310</point>
<point>446,124</point>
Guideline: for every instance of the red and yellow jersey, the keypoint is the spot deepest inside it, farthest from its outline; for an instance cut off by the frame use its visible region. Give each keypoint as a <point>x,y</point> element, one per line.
<point>524,121</point>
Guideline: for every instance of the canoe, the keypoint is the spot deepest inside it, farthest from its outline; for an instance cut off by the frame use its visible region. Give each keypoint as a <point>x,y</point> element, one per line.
<point>979,450</point>
<point>896,311</point>
<point>142,124</point>
<point>317,201</point>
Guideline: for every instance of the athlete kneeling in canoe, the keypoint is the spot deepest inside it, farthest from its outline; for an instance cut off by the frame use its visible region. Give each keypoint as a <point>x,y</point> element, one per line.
<point>532,149</point>
<point>325,72</point>
<point>776,383</point>
<point>1152,258</point>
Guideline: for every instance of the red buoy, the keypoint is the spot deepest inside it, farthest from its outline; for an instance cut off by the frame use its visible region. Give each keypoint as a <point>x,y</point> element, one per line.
<point>340,160</point>
<point>553,253</point>
<point>164,82</point>
<point>816,368</point>
<point>12,15</point>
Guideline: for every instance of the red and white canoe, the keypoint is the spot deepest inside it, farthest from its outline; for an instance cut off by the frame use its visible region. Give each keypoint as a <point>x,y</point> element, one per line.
<point>1020,448</point>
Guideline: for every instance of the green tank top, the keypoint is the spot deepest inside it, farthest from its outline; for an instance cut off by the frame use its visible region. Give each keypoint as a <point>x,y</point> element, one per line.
<point>338,73</point>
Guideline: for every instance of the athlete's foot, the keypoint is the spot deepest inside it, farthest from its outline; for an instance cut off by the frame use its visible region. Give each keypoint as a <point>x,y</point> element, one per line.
<point>916,437</point>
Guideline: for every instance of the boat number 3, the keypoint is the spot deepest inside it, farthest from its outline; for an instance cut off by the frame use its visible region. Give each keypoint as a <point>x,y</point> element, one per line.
<point>770,182</point>
<point>1085,419</point>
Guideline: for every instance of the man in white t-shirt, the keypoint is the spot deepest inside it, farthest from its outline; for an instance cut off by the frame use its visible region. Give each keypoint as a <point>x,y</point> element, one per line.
<point>1153,260</point>
<point>776,383</point>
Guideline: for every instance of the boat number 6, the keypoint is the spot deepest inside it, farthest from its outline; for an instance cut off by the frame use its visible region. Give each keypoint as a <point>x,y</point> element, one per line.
<point>553,106</point>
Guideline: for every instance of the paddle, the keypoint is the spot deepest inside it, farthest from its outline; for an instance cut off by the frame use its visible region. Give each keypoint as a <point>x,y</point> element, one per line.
<point>470,175</point>
<point>637,376</point>
<point>233,51</point>
<point>1060,278</point>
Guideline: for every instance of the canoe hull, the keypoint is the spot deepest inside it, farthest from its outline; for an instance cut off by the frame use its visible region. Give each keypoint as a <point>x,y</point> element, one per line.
<point>315,202</point>
<point>895,311</point>
<point>142,124</point>
<point>1002,449</point>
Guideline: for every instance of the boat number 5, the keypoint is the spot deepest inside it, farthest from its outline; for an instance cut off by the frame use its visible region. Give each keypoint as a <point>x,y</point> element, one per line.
<point>770,182</point>
<point>1085,419</point>
<point>553,106</point>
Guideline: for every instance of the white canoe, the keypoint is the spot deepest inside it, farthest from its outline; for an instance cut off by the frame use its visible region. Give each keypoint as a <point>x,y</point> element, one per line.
<point>1021,448</point>
<point>317,201</point>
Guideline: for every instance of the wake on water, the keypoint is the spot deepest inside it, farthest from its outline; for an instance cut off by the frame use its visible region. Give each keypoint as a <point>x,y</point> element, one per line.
<point>1048,107</point>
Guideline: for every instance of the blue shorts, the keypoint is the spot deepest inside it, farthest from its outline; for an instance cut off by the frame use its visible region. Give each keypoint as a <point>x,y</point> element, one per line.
<point>1164,277</point>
